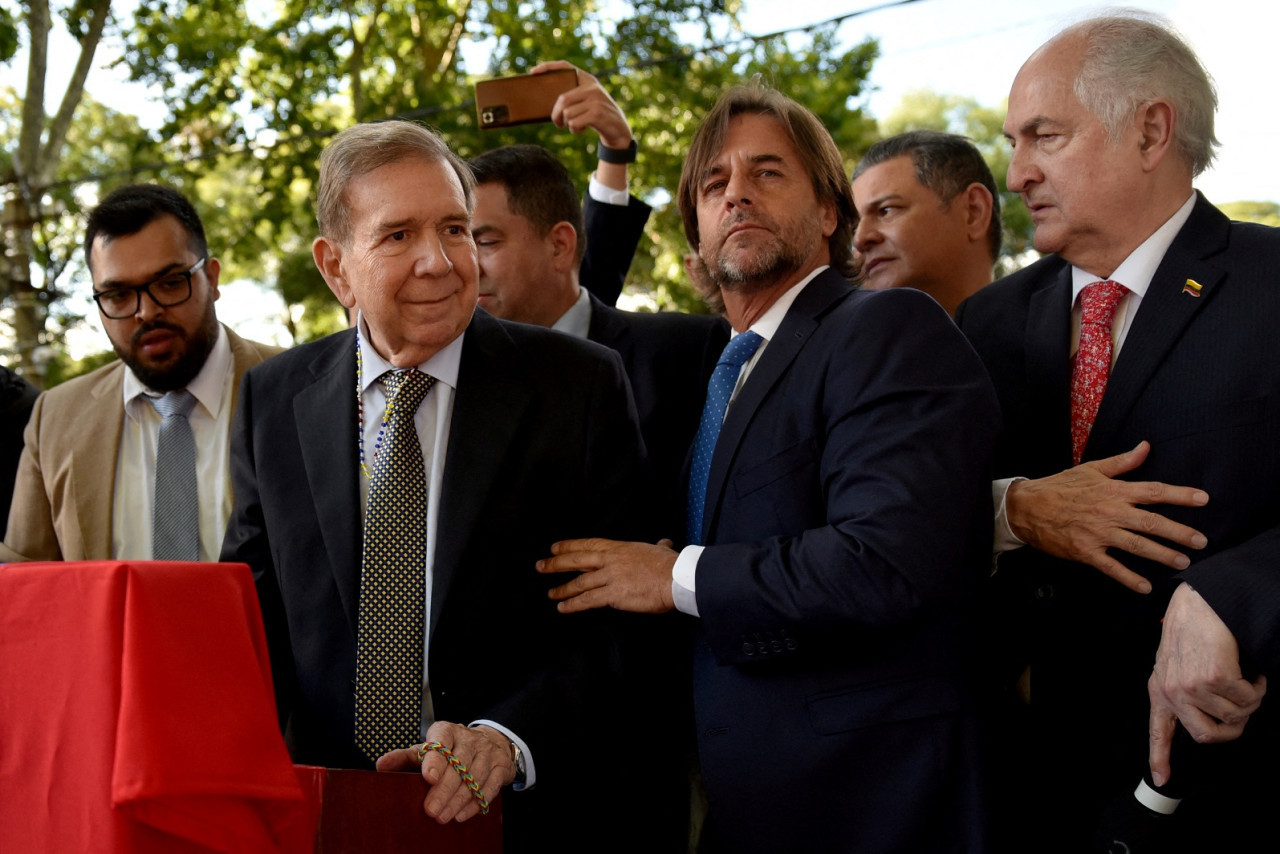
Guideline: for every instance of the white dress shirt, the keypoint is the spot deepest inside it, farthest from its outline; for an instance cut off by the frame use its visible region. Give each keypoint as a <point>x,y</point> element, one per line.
<point>431,421</point>
<point>684,573</point>
<point>135,483</point>
<point>1135,273</point>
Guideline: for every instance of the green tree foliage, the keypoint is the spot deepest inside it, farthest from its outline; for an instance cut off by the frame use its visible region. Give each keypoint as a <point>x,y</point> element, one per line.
<point>253,90</point>
<point>34,157</point>
<point>254,96</point>
<point>1266,213</point>
<point>927,110</point>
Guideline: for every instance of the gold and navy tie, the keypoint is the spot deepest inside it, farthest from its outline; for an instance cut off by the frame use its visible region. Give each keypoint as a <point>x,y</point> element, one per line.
<point>389,646</point>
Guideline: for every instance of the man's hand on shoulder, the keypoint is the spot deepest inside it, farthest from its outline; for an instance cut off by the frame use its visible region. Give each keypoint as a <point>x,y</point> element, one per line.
<point>484,751</point>
<point>1197,680</point>
<point>1079,513</point>
<point>625,576</point>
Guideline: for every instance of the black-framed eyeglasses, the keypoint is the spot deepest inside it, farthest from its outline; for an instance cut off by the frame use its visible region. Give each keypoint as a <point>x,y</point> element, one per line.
<point>169,290</point>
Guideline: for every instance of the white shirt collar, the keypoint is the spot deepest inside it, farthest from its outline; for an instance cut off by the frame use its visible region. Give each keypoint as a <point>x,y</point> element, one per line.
<point>443,365</point>
<point>576,321</point>
<point>1137,271</point>
<point>767,326</point>
<point>207,386</point>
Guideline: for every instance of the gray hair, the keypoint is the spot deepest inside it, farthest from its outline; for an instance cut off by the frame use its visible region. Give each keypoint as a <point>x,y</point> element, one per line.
<point>360,150</point>
<point>1132,58</point>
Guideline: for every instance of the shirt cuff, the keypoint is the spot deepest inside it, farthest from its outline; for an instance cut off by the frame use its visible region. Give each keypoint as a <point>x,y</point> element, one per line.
<point>530,776</point>
<point>1004,539</point>
<point>607,195</point>
<point>683,592</point>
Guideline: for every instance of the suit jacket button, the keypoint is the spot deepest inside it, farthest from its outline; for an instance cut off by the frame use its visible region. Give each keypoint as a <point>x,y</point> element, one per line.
<point>748,649</point>
<point>1045,591</point>
<point>777,646</point>
<point>763,647</point>
<point>791,643</point>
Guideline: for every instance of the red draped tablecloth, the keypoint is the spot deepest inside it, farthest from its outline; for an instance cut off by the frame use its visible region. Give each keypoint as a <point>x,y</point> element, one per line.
<point>136,713</point>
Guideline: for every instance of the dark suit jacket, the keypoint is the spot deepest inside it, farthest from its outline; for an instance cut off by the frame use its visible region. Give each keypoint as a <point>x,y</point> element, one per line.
<point>1199,378</point>
<point>612,233</point>
<point>847,529</point>
<point>669,357</point>
<point>543,445</point>
<point>17,396</point>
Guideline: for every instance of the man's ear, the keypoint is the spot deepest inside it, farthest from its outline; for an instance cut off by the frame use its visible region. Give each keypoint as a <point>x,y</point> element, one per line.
<point>211,271</point>
<point>978,205</point>
<point>328,257</point>
<point>564,246</point>
<point>1155,122</point>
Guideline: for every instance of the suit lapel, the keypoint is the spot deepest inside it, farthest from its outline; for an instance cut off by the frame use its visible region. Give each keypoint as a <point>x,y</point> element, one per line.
<point>324,411</point>
<point>1047,346</point>
<point>94,453</point>
<point>487,408</point>
<point>801,320</point>
<point>1162,318</point>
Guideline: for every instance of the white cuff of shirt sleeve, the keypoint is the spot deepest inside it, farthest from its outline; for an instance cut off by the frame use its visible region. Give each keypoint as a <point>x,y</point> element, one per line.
<point>607,195</point>
<point>530,776</point>
<point>1004,539</point>
<point>683,591</point>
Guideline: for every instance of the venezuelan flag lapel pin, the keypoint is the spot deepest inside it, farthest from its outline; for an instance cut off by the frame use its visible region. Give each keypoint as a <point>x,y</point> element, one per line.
<point>1192,288</point>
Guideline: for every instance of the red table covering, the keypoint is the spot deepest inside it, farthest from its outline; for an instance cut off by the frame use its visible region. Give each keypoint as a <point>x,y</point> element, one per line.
<point>136,713</point>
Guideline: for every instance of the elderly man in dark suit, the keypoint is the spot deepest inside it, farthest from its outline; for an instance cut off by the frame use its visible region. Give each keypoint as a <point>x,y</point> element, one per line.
<point>836,523</point>
<point>394,484</point>
<point>1139,367</point>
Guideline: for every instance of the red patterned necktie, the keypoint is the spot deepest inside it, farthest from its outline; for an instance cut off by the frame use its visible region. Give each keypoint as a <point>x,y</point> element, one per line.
<point>1098,303</point>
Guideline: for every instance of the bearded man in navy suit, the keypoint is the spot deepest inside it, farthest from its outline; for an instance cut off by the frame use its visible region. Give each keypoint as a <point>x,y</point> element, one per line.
<point>842,535</point>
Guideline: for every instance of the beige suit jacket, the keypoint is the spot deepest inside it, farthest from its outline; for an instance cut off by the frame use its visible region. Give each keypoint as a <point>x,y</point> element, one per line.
<point>62,498</point>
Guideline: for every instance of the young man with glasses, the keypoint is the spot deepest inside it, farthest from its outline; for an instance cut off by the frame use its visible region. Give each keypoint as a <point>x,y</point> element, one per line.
<point>103,473</point>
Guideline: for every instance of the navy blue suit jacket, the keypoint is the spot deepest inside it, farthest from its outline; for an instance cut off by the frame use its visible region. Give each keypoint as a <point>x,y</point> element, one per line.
<point>847,530</point>
<point>543,445</point>
<point>613,233</point>
<point>1199,378</point>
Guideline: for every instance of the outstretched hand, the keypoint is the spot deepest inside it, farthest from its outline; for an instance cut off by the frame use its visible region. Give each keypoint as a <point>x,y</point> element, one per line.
<point>1079,513</point>
<point>626,576</point>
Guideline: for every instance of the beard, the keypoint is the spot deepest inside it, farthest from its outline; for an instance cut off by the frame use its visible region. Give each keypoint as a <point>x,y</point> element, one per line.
<point>176,372</point>
<point>758,268</point>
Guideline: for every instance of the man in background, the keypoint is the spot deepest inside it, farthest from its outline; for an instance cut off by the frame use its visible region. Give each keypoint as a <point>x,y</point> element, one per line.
<point>928,216</point>
<point>104,474</point>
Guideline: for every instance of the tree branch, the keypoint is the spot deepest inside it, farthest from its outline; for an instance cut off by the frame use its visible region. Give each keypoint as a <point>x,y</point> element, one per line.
<point>51,153</point>
<point>27,161</point>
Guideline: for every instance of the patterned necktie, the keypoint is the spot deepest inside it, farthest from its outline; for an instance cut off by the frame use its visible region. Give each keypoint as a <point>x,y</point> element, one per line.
<point>175,509</point>
<point>1098,303</point>
<point>392,578</point>
<point>723,379</point>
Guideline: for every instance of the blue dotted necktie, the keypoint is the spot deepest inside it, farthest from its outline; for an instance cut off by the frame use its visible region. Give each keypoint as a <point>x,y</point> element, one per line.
<point>723,379</point>
<point>175,509</point>
<point>392,578</point>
